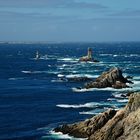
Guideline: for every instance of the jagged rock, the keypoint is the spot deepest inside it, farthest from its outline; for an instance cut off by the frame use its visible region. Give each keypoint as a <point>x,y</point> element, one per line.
<point>110,125</point>
<point>86,128</point>
<point>112,78</point>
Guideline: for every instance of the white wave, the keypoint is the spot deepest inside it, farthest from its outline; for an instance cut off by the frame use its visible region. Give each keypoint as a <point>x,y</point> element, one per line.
<point>81,75</point>
<point>100,89</point>
<point>69,59</point>
<point>60,135</point>
<point>105,54</point>
<point>115,55</point>
<point>48,57</point>
<point>122,101</point>
<point>49,66</point>
<point>60,75</point>
<point>136,77</point>
<point>118,95</point>
<point>26,71</point>
<point>57,81</point>
<point>87,105</point>
<point>94,112</point>
<point>52,72</point>
<point>81,90</point>
<point>135,55</point>
<point>17,78</point>
<point>88,113</point>
<point>34,72</point>
<point>136,85</point>
<point>111,99</point>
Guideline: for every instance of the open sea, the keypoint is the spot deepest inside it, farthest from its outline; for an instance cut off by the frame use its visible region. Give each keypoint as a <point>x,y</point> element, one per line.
<point>33,97</point>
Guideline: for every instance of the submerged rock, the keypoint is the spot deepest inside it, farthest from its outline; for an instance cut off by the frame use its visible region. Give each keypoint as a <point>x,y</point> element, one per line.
<point>110,125</point>
<point>112,78</point>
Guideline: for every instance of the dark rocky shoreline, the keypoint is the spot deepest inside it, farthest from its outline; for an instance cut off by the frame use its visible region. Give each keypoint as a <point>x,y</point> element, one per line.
<point>110,125</point>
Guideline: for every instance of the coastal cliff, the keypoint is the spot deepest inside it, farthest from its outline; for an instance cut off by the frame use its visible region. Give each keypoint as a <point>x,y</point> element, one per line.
<point>110,125</point>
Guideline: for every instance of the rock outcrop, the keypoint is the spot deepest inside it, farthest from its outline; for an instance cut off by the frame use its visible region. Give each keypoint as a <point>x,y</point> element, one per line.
<point>110,125</point>
<point>88,57</point>
<point>112,78</point>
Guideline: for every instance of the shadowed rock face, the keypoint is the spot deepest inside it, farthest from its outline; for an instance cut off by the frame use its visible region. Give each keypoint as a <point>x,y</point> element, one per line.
<point>112,78</point>
<point>110,125</point>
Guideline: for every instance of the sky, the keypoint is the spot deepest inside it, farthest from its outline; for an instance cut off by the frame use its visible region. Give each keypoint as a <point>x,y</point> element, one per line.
<point>70,20</point>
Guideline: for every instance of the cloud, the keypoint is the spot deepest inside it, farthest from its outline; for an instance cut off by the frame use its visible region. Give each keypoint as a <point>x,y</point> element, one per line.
<point>50,3</point>
<point>127,13</point>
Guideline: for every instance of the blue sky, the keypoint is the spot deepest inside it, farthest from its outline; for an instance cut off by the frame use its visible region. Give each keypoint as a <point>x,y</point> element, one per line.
<point>70,20</point>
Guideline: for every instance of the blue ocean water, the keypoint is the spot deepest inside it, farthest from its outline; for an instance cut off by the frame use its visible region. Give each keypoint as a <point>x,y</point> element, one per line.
<point>34,99</point>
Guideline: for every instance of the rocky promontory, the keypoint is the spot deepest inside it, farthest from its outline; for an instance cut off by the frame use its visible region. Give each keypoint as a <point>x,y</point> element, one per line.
<point>110,125</point>
<point>112,78</point>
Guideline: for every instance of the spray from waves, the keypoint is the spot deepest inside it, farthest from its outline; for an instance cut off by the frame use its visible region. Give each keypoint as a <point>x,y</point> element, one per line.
<point>59,136</point>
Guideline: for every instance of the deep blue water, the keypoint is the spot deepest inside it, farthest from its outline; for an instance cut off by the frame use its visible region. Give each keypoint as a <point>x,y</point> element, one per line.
<point>33,99</point>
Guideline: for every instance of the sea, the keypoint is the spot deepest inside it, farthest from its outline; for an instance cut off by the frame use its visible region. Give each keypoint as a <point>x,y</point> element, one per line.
<point>34,98</point>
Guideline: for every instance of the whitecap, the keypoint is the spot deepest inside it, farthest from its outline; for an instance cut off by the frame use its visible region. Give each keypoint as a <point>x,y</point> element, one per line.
<point>116,95</point>
<point>88,113</point>
<point>136,77</point>
<point>60,135</point>
<point>17,78</point>
<point>111,99</point>
<point>60,75</point>
<point>69,59</point>
<point>34,72</point>
<point>81,75</point>
<point>134,55</point>
<point>26,71</point>
<point>99,89</point>
<point>105,54</point>
<point>122,101</point>
<point>87,105</point>
<point>93,112</point>
<point>115,55</point>
<point>81,89</point>
<point>56,81</point>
